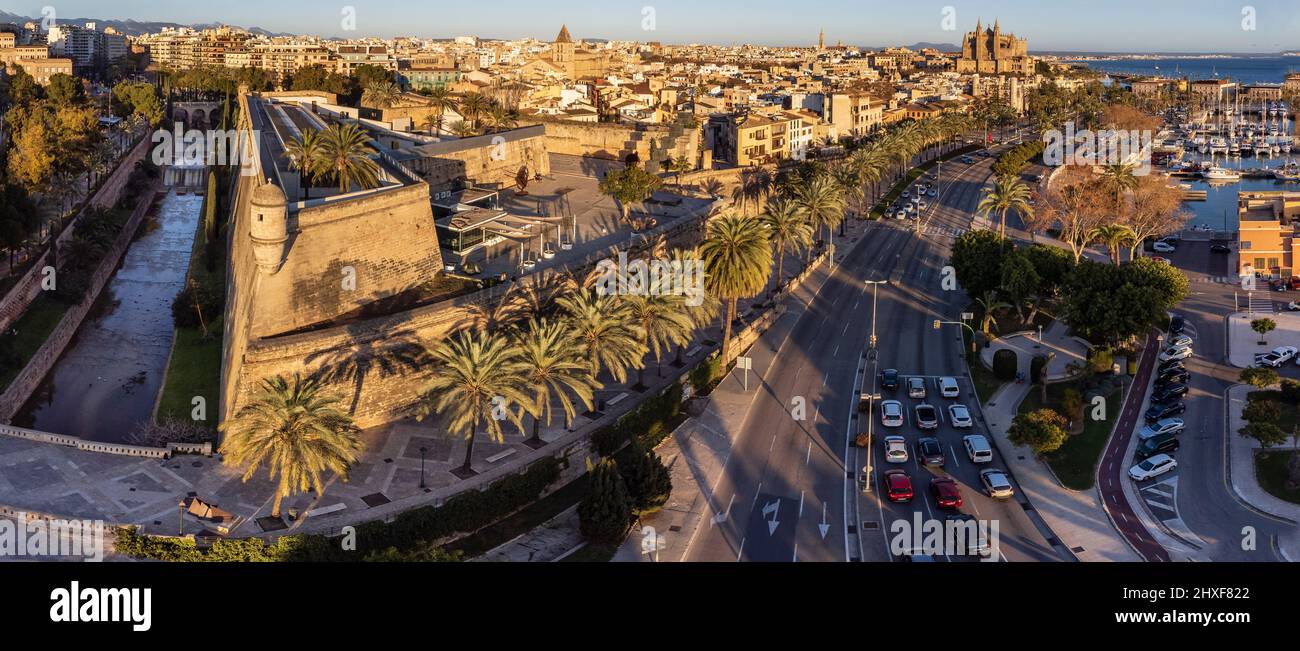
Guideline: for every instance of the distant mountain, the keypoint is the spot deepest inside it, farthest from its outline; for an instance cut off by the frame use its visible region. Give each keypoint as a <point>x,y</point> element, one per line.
<point>129,27</point>
<point>942,47</point>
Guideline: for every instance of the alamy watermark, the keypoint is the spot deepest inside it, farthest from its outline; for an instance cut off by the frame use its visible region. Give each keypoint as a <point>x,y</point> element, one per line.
<point>1105,147</point>
<point>27,538</point>
<point>947,537</point>
<point>181,148</point>
<point>653,278</point>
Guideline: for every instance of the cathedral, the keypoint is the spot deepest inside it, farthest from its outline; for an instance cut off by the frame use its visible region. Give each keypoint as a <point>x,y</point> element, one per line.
<point>573,62</point>
<point>990,52</point>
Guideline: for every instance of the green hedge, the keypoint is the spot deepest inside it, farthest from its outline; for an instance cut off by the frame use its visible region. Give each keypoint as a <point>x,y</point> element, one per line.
<point>1004,364</point>
<point>647,424</point>
<point>408,535</point>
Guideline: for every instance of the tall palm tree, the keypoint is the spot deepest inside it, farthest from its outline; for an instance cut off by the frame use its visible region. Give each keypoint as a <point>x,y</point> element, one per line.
<point>345,155</point>
<point>1119,178</point>
<point>440,99</point>
<point>380,94</point>
<point>849,181</point>
<point>737,263</point>
<point>821,201</point>
<point>305,156</point>
<point>989,304</point>
<point>661,319</point>
<point>702,307</point>
<point>787,230</point>
<point>1113,236</point>
<point>539,296</point>
<point>473,106</point>
<point>870,163</point>
<point>296,431</point>
<point>472,374</point>
<point>1010,193</point>
<point>554,371</point>
<point>606,334</point>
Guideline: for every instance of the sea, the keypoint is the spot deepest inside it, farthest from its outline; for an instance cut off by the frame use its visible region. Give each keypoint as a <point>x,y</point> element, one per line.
<point>1241,69</point>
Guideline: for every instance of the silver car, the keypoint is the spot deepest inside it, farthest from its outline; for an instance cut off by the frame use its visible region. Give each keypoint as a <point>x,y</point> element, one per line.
<point>915,387</point>
<point>996,483</point>
<point>959,415</point>
<point>895,449</point>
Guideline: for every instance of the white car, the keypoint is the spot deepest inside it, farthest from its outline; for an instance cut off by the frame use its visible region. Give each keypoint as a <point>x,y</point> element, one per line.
<point>1163,426</point>
<point>1276,357</point>
<point>895,449</point>
<point>948,387</point>
<point>1152,467</point>
<point>916,387</point>
<point>1163,247</point>
<point>959,415</point>
<point>902,214</point>
<point>1179,340</point>
<point>977,448</point>
<point>910,207</point>
<point>1175,352</point>
<point>996,483</point>
<point>1293,306</point>
<point>891,413</point>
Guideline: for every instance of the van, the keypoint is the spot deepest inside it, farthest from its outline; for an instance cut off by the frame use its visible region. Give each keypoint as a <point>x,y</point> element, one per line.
<point>977,448</point>
<point>1160,443</point>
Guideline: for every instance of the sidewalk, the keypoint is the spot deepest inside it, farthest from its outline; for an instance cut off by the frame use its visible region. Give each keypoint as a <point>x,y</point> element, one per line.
<point>698,450</point>
<point>1077,518</point>
<point>1055,339</point>
<point>1241,472</point>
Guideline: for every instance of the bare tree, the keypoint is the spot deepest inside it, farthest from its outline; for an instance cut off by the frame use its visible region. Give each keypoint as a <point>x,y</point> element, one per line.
<point>1076,204</point>
<point>1154,210</point>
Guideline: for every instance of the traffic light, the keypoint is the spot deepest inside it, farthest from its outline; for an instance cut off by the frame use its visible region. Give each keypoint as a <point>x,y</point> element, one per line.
<point>936,324</point>
<point>873,341</point>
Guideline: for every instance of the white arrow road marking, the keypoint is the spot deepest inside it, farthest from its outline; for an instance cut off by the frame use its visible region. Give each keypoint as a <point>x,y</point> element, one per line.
<point>722,517</point>
<point>824,526</point>
<point>771,509</point>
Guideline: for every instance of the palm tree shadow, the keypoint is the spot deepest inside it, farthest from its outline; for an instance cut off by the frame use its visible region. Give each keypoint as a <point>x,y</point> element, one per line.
<point>383,355</point>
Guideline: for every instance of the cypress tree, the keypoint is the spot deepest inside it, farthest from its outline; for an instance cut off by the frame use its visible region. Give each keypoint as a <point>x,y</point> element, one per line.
<point>606,511</point>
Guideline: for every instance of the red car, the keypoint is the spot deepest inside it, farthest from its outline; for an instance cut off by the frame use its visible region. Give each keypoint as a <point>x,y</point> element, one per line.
<point>898,486</point>
<point>946,493</point>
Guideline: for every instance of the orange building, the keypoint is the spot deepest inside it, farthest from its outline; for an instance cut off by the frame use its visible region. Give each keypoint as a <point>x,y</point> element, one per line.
<point>1266,234</point>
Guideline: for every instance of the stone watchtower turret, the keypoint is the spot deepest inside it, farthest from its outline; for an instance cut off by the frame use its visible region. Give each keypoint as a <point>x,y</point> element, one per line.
<point>270,229</point>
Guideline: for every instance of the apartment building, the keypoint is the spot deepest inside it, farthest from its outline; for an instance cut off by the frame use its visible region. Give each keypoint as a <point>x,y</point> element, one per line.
<point>34,59</point>
<point>854,114</point>
<point>1266,233</point>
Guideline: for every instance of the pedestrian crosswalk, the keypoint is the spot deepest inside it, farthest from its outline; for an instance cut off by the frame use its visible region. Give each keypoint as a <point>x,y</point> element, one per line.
<point>1260,302</point>
<point>937,230</point>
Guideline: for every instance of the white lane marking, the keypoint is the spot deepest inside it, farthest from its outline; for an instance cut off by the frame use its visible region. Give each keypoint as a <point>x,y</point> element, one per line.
<point>756,492</point>
<point>722,517</point>
<point>773,445</point>
<point>801,494</point>
<point>741,550</point>
<point>954,456</point>
<point>837,351</point>
<point>808,457</point>
<point>825,378</point>
<point>796,552</point>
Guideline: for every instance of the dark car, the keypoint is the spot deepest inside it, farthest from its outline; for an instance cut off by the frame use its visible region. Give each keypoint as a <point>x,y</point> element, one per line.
<point>1170,366</point>
<point>946,493</point>
<point>1173,376</point>
<point>898,485</point>
<point>1162,444</point>
<point>967,160</point>
<point>929,451</point>
<point>1176,325</point>
<point>1220,248</point>
<point>1168,393</point>
<point>1160,411</point>
<point>889,379</point>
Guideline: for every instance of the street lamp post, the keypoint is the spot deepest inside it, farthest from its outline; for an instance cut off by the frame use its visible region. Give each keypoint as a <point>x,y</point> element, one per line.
<point>873,354</point>
<point>422,451</point>
<point>875,287</point>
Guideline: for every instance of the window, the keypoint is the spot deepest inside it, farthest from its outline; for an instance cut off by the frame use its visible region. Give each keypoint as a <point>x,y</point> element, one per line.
<point>1272,263</point>
<point>1259,263</point>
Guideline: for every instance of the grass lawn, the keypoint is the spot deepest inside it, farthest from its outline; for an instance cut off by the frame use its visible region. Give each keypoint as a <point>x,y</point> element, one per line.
<point>1075,463</point>
<point>193,370</point>
<point>195,365</point>
<point>986,384</point>
<point>1270,469</point>
<point>32,328</point>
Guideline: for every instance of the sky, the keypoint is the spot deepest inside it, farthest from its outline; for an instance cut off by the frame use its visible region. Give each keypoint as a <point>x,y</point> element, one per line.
<point>1050,25</point>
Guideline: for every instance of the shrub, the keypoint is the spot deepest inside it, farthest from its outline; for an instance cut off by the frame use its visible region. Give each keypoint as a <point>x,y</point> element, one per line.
<point>1101,360</point>
<point>1042,430</point>
<point>1005,364</point>
<point>1260,377</point>
<point>184,314</point>
<point>706,374</point>
<point>1072,404</point>
<point>646,424</point>
<point>646,477</point>
<point>606,512</point>
<point>1291,391</point>
<point>1261,411</point>
<point>1036,366</point>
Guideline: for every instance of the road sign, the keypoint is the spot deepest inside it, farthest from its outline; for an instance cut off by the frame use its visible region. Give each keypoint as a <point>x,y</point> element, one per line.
<point>745,363</point>
<point>967,316</point>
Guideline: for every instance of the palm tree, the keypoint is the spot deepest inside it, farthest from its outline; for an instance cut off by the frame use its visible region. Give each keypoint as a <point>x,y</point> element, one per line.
<point>989,304</point>
<point>539,296</point>
<point>870,162</point>
<point>787,229</point>
<point>606,334</point>
<point>380,94</point>
<point>820,200</point>
<point>500,117</point>
<point>554,368</point>
<point>345,155</point>
<point>475,377</point>
<point>440,99</point>
<point>296,432</point>
<point>1113,236</point>
<point>463,129</point>
<point>1119,178</point>
<point>660,318</point>
<point>849,181</point>
<point>737,262</point>
<point>473,105</point>
<point>305,156</point>
<point>491,316</point>
<point>701,306</point>
<point>1010,193</point>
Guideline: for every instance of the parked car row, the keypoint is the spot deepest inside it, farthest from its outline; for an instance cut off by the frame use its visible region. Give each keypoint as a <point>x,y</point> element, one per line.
<point>1159,437</point>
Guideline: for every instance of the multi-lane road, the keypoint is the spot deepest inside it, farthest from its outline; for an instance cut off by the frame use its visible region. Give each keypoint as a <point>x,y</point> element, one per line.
<point>790,490</point>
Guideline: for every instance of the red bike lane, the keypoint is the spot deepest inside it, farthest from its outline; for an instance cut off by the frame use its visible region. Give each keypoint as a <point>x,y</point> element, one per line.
<point>1113,468</point>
